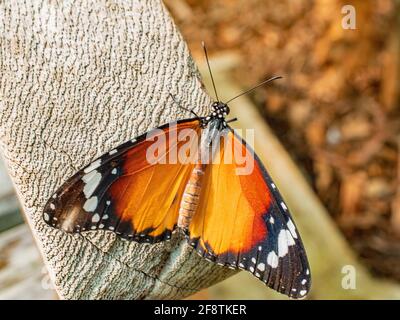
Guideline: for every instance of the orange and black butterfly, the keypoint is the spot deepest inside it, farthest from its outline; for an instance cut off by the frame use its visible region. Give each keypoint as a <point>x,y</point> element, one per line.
<point>230,218</point>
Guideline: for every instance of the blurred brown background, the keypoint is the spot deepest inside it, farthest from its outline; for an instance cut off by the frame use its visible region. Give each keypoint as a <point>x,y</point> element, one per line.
<point>335,111</point>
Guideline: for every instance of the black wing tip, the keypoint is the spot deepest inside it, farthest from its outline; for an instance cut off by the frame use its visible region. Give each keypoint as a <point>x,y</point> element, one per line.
<point>298,288</point>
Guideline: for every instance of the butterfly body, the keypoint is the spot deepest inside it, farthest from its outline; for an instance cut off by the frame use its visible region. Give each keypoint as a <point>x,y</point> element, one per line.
<point>191,197</point>
<point>211,128</point>
<point>230,216</point>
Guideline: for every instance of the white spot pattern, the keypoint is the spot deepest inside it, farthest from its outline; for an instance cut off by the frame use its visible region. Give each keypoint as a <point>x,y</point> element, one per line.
<point>282,243</point>
<point>93,166</point>
<point>292,228</point>
<point>95,218</point>
<point>92,181</point>
<point>290,240</point>
<point>272,220</point>
<point>90,204</point>
<point>272,259</point>
<point>261,267</point>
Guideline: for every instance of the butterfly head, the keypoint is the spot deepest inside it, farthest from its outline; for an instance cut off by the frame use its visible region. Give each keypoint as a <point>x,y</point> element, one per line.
<point>219,111</point>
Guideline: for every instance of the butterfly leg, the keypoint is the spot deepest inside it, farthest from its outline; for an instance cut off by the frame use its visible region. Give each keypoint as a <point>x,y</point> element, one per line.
<point>231,120</point>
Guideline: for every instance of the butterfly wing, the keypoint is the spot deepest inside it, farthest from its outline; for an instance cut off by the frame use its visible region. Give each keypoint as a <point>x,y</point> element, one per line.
<point>242,222</point>
<point>133,190</point>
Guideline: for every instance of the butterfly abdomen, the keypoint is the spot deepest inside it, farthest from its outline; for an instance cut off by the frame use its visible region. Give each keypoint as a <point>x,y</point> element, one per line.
<point>191,197</point>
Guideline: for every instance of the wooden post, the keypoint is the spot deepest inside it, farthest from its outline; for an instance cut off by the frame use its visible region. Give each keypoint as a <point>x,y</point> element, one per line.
<point>76,80</point>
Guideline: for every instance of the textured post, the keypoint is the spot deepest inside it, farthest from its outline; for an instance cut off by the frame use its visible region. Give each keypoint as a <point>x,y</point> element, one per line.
<point>78,78</point>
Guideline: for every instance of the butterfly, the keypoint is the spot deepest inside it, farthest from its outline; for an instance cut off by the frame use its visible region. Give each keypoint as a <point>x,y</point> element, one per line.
<point>177,178</point>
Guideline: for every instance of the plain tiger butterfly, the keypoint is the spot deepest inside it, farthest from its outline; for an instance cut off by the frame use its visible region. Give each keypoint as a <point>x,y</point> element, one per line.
<point>235,220</point>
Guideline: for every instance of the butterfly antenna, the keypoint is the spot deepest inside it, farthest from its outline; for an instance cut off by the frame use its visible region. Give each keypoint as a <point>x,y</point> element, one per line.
<point>186,109</point>
<point>255,87</point>
<point>209,69</point>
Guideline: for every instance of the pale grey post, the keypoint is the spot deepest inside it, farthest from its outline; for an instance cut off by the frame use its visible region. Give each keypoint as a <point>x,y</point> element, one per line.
<point>78,78</point>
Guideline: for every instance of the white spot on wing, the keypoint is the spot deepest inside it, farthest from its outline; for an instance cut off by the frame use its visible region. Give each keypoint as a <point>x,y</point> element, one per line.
<point>282,243</point>
<point>46,217</point>
<point>105,217</point>
<point>307,272</point>
<point>273,185</point>
<point>92,181</point>
<point>251,269</point>
<point>88,176</point>
<point>304,281</point>
<point>52,206</point>
<point>114,171</point>
<point>95,218</point>
<point>290,240</point>
<point>303,292</point>
<point>253,260</point>
<point>90,204</point>
<point>112,152</point>
<point>283,205</point>
<point>261,267</point>
<point>272,220</point>
<point>272,259</point>
<point>292,228</point>
<point>93,166</point>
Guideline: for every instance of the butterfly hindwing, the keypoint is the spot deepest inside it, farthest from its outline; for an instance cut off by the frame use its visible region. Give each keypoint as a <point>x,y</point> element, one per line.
<point>122,191</point>
<point>242,222</point>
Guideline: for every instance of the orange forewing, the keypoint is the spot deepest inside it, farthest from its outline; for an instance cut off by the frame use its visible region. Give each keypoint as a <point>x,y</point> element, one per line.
<point>230,217</point>
<point>148,196</point>
<point>130,195</point>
